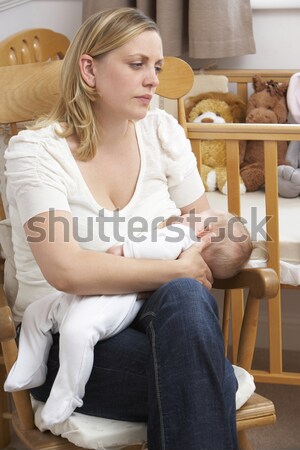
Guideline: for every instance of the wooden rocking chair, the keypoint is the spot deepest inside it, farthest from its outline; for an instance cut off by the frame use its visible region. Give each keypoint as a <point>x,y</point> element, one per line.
<point>29,90</point>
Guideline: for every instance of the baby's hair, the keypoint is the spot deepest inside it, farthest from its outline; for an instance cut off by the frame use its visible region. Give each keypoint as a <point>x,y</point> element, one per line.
<point>231,248</point>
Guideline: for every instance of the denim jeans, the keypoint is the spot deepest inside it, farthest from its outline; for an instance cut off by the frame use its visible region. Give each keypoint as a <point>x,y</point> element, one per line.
<point>168,369</point>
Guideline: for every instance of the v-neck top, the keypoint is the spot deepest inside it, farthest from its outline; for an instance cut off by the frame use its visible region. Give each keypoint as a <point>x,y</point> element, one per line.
<point>42,175</point>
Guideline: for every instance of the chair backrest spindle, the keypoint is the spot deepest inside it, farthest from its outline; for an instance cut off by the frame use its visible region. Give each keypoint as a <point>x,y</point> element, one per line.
<point>31,46</point>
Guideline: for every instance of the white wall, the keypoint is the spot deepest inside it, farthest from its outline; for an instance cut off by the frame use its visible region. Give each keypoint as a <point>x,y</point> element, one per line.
<point>276,31</point>
<point>63,16</point>
<point>277,36</point>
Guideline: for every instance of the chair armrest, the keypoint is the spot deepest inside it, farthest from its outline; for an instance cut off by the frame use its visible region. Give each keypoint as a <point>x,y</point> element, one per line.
<point>7,326</point>
<point>10,351</point>
<point>262,282</point>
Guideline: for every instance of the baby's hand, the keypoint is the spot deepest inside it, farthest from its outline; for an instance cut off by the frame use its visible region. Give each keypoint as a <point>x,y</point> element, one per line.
<point>201,233</point>
<point>116,250</point>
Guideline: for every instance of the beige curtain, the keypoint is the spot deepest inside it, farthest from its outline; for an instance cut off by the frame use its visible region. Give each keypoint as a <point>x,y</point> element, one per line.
<point>200,28</point>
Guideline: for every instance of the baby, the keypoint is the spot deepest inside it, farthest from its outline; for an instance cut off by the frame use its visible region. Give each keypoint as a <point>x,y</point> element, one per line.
<point>229,250</point>
<point>84,320</point>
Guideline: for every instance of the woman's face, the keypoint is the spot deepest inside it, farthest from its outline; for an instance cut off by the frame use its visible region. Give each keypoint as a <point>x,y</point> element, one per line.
<point>126,78</point>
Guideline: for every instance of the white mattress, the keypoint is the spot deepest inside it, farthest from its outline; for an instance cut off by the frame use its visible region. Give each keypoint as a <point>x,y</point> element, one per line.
<point>253,211</point>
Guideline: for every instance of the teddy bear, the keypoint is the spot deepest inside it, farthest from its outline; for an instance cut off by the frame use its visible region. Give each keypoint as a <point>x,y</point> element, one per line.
<point>215,107</point>
<point>289,175</point>
<point>267,104</point>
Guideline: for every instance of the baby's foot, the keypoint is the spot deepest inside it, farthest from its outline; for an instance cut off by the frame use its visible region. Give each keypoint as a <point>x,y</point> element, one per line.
<point>57,410</point>
<point>17,381</point>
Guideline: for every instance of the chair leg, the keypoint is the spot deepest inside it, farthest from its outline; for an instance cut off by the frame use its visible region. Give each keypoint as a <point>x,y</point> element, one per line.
<point>4,422</point>
<point>243,441</point>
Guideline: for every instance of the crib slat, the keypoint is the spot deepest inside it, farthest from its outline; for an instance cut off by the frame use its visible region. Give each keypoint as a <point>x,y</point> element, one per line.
<point>234,206</point>
<point>271,190</point>
<point>232,165</point>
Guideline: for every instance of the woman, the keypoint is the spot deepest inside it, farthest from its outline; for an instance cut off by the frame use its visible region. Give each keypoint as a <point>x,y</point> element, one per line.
<point>99,167</point>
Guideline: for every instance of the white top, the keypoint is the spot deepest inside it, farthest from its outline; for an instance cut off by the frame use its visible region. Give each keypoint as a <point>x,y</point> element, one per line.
<point>42,175</point>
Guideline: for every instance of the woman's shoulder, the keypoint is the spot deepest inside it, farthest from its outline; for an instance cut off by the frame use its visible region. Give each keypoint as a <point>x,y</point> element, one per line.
<point>158,116</point>
<point>164,126</point>
<point>36,134</point>
<point>35,139</point>
<point>169,132</point>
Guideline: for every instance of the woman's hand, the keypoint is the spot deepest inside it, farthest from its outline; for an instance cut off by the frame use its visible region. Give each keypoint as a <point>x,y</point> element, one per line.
<point>195,265</point>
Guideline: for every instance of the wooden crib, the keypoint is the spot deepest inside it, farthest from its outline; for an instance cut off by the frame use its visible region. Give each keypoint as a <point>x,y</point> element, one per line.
<point>239,81</point>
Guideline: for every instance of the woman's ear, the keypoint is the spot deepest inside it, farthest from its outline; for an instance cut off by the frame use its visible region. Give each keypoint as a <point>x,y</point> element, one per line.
<point>86,64</point>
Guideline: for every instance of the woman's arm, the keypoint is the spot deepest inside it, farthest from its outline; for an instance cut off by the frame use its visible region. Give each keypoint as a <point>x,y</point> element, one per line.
<point>196,207</point>
<point>69,268</point>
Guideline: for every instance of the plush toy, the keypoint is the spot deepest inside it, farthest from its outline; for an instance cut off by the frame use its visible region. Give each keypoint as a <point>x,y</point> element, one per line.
<point>289,175</point>
<point>215,107</point>
<point>267,104</point>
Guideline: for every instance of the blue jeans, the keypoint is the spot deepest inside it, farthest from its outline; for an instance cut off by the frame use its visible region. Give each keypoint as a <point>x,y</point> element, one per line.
<point>168,369</point>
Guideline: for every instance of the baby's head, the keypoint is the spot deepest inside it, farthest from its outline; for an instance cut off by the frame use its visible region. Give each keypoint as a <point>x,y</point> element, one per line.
<point>231,248</point>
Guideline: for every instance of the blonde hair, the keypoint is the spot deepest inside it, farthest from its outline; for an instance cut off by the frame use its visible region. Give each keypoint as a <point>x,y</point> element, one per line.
<point>99,34</point>
<point>232,247</point>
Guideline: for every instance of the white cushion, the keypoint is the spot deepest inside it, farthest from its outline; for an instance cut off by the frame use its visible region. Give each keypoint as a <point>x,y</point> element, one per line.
<point>95,432</point>
<point>107,434</point>
<point>246,386</point>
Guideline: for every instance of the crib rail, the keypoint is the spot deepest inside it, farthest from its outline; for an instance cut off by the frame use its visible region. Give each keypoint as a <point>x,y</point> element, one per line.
<point>242,78</point>
<point>269,134</point>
